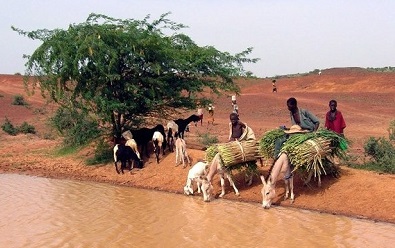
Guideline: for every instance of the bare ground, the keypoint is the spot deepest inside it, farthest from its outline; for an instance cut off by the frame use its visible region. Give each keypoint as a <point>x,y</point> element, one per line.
<point>366,99</point>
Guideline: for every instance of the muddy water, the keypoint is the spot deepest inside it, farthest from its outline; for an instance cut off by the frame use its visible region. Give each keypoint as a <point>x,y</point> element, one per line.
<point>41,212</point>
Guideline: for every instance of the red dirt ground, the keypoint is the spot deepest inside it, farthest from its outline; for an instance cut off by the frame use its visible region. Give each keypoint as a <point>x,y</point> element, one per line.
<point>367,100</point>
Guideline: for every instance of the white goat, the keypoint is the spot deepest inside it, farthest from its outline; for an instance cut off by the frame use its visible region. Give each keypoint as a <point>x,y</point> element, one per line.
<point>181,152</point>
<point>198,170</point>
<point>157,140</point>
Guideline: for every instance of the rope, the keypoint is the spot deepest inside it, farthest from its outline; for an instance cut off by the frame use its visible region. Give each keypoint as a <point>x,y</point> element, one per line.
<point>242,151</point>
<point>315,145</point>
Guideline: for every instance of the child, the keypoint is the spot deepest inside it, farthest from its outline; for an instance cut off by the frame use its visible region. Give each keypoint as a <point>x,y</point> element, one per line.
<point>236,127</point>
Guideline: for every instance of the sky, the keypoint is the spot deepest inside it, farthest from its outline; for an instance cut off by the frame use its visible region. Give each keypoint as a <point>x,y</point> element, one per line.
<point>288,36</point>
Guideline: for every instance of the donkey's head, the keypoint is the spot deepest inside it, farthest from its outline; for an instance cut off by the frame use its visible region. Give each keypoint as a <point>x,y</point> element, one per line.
<point>268,192</point>
<point>207,188</point>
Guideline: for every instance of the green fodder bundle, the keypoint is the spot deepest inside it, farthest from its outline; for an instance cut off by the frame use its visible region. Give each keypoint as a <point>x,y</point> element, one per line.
<point>235,152</point>
<point>211,151</point>
<point>314,151</point>
<point>267,142</point>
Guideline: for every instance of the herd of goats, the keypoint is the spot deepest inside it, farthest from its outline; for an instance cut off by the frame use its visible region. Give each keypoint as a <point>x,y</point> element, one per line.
<point>202,173</point>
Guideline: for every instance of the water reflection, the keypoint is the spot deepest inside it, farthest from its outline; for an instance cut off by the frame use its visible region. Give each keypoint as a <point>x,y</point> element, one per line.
<point>41,212</point>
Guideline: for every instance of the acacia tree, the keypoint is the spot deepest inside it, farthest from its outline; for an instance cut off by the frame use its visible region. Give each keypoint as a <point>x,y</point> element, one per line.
<point>121,71</point>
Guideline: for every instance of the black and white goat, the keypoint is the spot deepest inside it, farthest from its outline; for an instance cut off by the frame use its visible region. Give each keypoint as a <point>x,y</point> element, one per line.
<point>125,154</point>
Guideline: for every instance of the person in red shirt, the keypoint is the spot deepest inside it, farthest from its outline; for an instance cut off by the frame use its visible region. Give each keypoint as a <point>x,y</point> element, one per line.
<point>334,120</point>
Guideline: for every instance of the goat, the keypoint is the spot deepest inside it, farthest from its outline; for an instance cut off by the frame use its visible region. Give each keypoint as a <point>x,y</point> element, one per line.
<point>216,167</point>
<point>198,170</point>
<point>144,135</point>
<point>181,152</point>
<point>157,140</point>
<point>124,154</point>
<point>183,123</point>
<point>172,130</point>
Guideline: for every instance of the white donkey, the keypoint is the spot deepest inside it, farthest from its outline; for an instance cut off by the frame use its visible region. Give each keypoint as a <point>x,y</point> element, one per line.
<point>280,170</point>
<point>216,167</point>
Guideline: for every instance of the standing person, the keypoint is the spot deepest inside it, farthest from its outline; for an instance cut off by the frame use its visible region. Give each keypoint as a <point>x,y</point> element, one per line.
<point>334,120</point>
<point>200,114</point>
<point>211,114</point>
<point>274,86</point>
<point>234,105</point>
<point>302,117</point>
<point>236,127</point>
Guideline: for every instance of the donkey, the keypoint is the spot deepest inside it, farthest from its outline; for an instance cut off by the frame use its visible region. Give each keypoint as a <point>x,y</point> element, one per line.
<point>183,123</point>
<point>280,170</point>
<point>216,167</point>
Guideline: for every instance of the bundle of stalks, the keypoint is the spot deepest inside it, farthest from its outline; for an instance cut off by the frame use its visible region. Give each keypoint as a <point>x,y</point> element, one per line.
<point>314,151</point>
<point>237,152</point>
<point>267,142</point>
<point>211,151</point>
<point>310,155</point>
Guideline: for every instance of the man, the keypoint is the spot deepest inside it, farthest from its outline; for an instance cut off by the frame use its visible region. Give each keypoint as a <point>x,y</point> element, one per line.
<point>334,120</point>
<point>211,114</point>
<point>274,86</point>
<point>302,117</point>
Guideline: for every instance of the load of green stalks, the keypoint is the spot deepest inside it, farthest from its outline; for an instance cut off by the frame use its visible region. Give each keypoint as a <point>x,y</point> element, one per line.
<point>267,142</point>
<point>236,154</point>
<point>308,152</point>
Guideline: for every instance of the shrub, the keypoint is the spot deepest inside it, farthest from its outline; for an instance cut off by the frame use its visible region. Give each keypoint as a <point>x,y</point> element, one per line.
<point>382,153</point>
<point>103,154</point>
<point>26,128</point>
<point>207,139</point>
<point>9,128</point>
<point>19,100</point>
<point>77,128</point>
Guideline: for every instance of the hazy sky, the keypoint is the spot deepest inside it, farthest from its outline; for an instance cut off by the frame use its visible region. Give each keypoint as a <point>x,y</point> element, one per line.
<point>289,36</point>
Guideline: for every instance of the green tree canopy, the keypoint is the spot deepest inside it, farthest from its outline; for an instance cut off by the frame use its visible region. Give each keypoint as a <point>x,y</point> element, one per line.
<point>121,71</point>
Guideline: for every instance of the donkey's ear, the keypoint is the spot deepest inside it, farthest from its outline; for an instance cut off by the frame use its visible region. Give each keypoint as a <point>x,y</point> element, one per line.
<point>263,179</point>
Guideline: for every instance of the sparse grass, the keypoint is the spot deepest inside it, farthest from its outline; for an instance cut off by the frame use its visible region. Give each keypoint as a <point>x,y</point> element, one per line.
<point>207,139</point>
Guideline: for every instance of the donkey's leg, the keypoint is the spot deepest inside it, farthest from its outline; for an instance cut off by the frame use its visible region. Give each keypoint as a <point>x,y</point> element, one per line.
<point>222,185</point>
<point>232,183</point>
<point>286,185</point>
<point>291,189</point>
